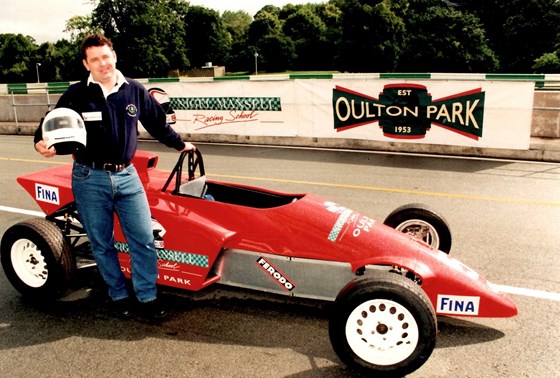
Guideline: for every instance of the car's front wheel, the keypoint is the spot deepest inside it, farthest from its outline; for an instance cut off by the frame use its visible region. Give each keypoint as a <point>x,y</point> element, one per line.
<point>383,324</point>
<point>37,259</point>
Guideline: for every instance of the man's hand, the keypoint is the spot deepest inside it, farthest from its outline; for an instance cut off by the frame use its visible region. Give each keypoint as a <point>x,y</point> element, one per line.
<point>41,148</point>
<point>188,147</point>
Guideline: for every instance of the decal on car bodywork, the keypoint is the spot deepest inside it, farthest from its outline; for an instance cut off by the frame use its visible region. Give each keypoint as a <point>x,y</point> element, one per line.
<point>340,222</point>
<point>275,274</point>
<point>457,305</point>
<point>175,256</point>
<point>334,207</point>
<point>346,218</point>
<point>46,193</point>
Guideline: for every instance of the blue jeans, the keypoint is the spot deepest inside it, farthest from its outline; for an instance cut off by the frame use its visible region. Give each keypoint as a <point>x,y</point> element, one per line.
<point>99,194</point>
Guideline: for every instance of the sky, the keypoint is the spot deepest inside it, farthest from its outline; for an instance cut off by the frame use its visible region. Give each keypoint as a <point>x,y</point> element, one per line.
<point>45,20</point>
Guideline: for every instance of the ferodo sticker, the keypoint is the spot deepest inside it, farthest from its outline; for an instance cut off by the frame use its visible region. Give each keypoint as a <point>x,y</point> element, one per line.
<point>275,274</point>
<point>457,305</point>
<point>46,193</point>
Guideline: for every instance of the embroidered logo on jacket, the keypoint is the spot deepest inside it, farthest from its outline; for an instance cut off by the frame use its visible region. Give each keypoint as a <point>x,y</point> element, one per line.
<point>131,110</point>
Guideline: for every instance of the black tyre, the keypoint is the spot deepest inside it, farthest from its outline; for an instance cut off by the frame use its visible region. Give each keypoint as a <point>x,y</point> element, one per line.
<point>423,223</point>
<point>37,259</point>
<point>383,324</point>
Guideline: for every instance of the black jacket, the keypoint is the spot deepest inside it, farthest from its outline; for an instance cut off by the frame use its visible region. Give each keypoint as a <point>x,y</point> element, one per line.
<point>112,123</point>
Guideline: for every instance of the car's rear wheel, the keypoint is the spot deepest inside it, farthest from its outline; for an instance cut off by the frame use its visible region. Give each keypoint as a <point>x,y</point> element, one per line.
<point>423,223</point>
<point>383,324</point>
<point>37,259</point>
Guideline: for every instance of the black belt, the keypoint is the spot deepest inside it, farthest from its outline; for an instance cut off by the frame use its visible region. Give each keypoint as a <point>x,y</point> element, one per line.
<point>109,167</point>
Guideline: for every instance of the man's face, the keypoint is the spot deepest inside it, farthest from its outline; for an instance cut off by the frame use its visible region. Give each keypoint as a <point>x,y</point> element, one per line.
<point>100,61</point>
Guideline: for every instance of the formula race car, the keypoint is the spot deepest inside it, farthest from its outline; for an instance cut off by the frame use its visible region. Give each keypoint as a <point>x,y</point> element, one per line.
<point>387,281</point>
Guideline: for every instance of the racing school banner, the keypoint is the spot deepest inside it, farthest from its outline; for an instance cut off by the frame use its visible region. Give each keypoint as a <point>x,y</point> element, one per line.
<point>489,114</point>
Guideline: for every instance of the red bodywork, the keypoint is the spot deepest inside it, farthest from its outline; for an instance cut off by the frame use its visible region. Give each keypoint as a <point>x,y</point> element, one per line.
<point>306,227</point>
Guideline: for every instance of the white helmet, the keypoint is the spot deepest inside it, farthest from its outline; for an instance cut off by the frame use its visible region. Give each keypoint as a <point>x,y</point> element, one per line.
<point>64,129</point>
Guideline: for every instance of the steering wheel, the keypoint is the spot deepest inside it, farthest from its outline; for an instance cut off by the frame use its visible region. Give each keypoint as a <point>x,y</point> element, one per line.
<point>194,163</point>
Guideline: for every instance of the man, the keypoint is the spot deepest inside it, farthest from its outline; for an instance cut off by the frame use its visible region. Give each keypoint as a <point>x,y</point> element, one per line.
<point>104,181</point>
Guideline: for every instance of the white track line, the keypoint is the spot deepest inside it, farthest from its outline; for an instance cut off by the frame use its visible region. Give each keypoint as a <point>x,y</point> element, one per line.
<point>22,211</point>
<point>503,288</point>
<point>528,292</point>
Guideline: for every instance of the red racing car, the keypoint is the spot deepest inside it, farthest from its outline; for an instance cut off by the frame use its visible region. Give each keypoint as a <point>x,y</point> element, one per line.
<point>387,280</point>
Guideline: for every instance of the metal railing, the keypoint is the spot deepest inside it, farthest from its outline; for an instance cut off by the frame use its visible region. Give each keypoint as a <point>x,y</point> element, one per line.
<point>50,105</point>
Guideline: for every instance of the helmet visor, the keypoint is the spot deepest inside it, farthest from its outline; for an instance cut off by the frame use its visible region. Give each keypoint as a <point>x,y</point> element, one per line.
<point>63,122</point>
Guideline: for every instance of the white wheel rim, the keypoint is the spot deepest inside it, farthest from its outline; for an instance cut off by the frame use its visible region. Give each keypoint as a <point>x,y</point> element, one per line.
<point>421,230</point>
<point>29,263</point>
<point>382,332</point>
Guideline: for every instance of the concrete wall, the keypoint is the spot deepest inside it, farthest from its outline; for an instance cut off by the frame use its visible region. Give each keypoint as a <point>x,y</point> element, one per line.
<point>31,107</point>
<point>546,114</point>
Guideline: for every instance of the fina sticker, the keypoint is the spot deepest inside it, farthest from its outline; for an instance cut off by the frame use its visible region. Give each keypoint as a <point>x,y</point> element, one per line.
<point>46,193</point>
<point>457,305</point>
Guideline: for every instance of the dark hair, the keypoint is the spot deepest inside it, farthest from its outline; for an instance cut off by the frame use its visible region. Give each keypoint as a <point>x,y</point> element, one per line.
<point>94,40</point>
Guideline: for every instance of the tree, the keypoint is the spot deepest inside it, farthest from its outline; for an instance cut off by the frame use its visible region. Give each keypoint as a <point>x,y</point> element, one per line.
<point>237,26</point>
<point>308,33</point>
<point>68,59</point>
<point>50,68</point>
<point>147,34</point>
<point>529,32</point>
<point>270,9</point>
<point>443,39</point>
<point>152,37</point>
<point>206,37</point>
<point>548,63</point>
<point>17,58</point>
<point>331,16</point>
<point>80,26</point>
<point>265,37</point>
<point>373,36</point>
<point>519,31</point>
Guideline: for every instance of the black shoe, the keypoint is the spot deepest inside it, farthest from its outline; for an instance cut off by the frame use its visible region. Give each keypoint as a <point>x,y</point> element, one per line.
<point>153,311</point>
<point>123,308</point>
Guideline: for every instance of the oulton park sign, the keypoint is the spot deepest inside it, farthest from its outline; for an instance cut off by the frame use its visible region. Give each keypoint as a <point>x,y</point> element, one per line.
<point>407,111</point>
